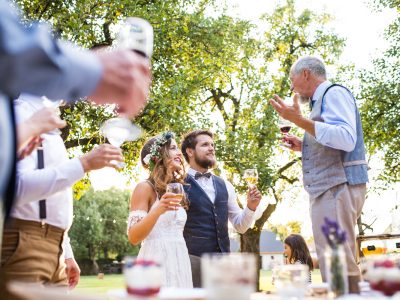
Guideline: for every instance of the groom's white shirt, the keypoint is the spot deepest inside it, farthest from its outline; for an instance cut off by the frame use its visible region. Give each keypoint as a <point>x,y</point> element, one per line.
<point>241,219</point>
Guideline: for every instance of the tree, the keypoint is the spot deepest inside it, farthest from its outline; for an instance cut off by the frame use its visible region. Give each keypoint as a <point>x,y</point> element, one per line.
<point>99,227</point>
<point>381,93</point>
<point>209,72</point>
<point>250,130</point>
<point>283,230</point>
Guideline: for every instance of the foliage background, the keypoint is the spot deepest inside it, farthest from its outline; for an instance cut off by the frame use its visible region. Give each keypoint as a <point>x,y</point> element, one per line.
<point>211,70</point>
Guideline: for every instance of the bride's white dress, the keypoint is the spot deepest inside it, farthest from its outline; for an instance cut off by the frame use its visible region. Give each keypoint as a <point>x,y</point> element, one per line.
<point>166,245</point>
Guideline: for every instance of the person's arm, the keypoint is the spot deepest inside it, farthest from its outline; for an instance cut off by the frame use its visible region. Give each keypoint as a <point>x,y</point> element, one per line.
<point>338,130</point>
<point>139,226</point>
<point>240,219</point>
<point>30,180</point>
<point>72,268</point>
<point>32,61</point>
<point>40,122</point>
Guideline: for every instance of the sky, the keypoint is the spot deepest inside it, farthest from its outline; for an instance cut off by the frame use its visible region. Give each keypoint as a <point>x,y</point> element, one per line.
<point>363,30</point>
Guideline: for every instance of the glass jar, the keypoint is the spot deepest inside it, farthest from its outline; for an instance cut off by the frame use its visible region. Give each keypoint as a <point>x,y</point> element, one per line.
<point>336,270</point>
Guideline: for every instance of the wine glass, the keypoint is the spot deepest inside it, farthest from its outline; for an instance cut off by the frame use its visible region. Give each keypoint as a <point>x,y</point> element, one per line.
<point>53,104</point>
<point>119,130</point>
<point>136,34</point>
<point>284,127</point>
<point>251,177</point>
<point>176,188</point>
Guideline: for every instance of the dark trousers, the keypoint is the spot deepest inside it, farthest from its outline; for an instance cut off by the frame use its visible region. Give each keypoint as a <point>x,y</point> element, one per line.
<point>195,262</point>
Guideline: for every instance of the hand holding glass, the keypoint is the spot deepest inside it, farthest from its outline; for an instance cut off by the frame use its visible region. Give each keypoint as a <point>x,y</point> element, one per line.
<point>53,104</point>
<point>284,127</point>
<point>251,177</point>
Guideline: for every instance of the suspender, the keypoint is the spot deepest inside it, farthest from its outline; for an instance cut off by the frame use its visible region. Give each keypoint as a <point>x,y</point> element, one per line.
<point>42,203</point>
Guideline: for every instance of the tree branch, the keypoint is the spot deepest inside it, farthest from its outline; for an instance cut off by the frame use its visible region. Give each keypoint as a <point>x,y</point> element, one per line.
<point>80,142</point>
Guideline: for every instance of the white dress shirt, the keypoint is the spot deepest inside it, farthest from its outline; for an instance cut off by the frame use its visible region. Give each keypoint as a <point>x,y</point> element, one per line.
<point>338,130</point>
<point>241,219</point>
<point>53,183</point>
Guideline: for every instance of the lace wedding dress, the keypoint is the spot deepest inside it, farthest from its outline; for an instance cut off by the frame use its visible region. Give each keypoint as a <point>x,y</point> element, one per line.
<point>165,244</point>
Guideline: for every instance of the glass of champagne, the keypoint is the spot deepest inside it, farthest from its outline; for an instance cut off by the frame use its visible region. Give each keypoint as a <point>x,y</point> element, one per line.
<point>176,188</point>
<point>251,177</point>
<point>117,131</point>
<point>53,104</point>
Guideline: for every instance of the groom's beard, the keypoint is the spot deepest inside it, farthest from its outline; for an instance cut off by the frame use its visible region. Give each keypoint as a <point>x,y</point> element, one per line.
<point>205,163</point>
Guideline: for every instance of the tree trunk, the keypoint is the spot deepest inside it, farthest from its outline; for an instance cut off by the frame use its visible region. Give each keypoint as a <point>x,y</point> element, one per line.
<point>250,242</point>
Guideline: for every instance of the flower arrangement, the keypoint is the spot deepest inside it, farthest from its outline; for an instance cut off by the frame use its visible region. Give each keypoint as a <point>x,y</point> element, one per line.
<point>336,269</point>
<point>333,234</point>
<point>154,156</point>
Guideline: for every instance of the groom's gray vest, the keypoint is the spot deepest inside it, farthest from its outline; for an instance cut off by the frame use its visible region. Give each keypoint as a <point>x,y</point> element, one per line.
<point>206,228</point>
<point>325,167</point>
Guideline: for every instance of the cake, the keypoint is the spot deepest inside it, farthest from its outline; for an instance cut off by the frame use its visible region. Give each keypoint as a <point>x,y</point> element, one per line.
<point>142,277</point>
<point>384,276</point>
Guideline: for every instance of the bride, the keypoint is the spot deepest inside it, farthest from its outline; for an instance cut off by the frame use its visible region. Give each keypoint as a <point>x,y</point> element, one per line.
<point>156,218</point>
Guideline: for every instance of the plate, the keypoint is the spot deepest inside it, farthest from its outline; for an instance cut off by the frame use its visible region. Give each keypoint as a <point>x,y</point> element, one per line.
<point>165,294</point>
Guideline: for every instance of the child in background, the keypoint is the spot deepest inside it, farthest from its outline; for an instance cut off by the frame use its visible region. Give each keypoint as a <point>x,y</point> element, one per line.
<point>296,252</point>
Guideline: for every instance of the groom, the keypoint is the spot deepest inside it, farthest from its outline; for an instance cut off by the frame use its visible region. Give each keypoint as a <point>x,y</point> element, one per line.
<point>212,202</point>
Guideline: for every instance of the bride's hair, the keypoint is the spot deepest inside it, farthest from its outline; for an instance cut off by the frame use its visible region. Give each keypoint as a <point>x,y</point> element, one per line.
<point>155,157</point>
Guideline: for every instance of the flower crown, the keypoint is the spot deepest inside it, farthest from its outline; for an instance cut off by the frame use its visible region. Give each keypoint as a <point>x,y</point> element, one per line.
<point>154,155</point>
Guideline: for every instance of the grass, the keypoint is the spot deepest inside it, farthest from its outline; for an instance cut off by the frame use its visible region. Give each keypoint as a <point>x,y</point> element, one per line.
<point>93,285</point>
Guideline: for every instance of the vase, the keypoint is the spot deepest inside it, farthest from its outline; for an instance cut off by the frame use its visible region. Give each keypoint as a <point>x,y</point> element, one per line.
<point>336,270</point>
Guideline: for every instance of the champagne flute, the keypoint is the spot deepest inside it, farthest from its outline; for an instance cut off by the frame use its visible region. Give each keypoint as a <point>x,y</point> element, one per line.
<point>53,104</point>
<point>251,177</point>
<point>119,130</point>
<point>136,34</point>
<point>176,188</point>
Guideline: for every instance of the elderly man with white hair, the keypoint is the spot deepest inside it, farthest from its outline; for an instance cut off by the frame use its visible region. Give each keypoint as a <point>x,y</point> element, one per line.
<point>333,154</point>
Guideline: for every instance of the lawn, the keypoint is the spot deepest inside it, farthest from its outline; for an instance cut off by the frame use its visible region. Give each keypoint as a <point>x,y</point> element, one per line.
<point>93,285</point>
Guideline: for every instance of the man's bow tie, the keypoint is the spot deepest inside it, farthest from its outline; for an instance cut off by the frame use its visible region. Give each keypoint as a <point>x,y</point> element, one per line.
<point>199,175</point>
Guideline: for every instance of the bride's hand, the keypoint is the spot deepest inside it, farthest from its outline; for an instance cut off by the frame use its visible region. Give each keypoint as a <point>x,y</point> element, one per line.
<point>168,202</point>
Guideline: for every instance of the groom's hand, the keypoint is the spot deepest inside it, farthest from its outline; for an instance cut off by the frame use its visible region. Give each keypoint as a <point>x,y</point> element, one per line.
<point>253,198</point>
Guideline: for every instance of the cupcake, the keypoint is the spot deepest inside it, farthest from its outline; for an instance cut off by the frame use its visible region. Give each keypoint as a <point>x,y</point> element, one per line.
<point>142,277</point>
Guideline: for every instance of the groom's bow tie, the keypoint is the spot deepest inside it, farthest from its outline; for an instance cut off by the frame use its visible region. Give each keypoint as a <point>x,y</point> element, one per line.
<point>199,175</point>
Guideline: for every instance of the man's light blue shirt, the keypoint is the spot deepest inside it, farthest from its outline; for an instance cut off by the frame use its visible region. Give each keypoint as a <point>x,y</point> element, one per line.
<point>338,112</point>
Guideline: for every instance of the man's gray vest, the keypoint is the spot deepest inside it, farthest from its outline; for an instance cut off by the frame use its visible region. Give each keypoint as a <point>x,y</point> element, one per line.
<point>325,167</point>
<point>206,228</point>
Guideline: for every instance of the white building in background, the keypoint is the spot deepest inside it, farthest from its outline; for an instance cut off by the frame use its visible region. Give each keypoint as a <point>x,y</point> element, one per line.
<point>271,248</point>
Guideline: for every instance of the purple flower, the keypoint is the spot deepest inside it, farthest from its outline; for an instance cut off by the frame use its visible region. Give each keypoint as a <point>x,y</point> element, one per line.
<point>333,234</point>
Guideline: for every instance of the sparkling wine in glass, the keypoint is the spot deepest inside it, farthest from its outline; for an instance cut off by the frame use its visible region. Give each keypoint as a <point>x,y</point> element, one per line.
<point>176,188</point>
<point>251,177</point>
<point>119,130</point>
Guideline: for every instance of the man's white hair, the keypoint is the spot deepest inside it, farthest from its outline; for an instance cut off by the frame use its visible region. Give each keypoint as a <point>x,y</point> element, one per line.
<point>315,65</point>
